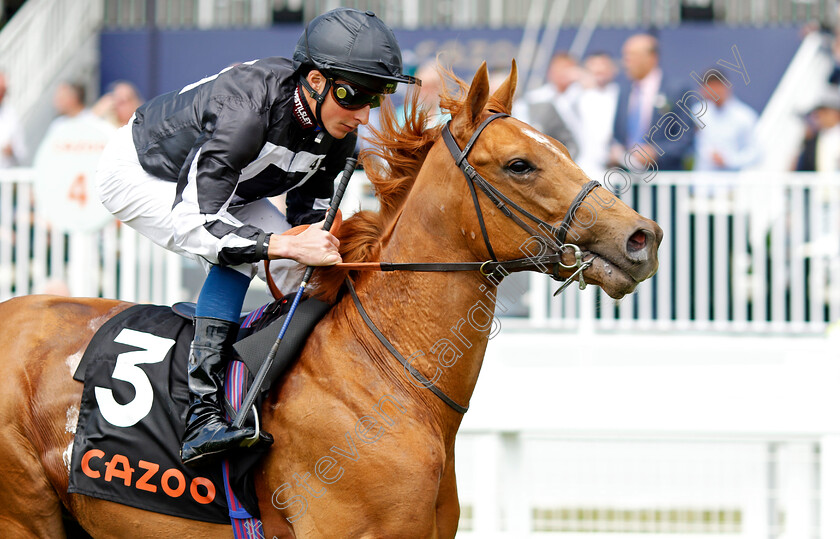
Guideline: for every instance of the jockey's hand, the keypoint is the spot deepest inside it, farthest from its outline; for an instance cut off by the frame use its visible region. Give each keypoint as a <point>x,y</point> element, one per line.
<point>312,247</point>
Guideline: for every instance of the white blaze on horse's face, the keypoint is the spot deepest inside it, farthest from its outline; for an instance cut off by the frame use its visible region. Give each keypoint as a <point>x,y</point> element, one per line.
<point>544,141</point>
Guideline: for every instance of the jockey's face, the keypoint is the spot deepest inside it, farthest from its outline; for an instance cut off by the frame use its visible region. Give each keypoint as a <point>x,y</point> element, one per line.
<point>337,120</point>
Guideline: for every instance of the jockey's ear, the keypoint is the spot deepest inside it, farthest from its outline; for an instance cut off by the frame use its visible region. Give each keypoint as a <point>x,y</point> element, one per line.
<point>316,80</point>
<point>469,117</point>
<point>504,94</point>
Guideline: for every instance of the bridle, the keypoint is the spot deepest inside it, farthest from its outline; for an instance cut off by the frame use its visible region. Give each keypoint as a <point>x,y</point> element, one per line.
<point>556,240</point>
<point>553,239</point>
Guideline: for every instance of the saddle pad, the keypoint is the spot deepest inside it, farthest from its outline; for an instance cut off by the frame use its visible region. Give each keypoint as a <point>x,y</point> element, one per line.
<point>254,348</point>
<point>132,416</point>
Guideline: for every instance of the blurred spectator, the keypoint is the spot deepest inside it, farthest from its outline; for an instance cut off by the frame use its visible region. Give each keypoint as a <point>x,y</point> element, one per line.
<point>119,103</point>
<point>12,147</point>
<point>647,109</point>
<point>597,111</point>
<point>553,108</point>
<point>821,147</point>
<point>727,140</point>
<point>69,102</point>
<point>429,97</point>
<point>834,76</point>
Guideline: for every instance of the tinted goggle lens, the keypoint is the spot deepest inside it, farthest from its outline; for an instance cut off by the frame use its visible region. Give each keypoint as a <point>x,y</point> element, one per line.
<point>352,98</point>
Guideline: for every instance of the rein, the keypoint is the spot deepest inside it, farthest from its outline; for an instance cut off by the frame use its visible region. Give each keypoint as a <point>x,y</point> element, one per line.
<point>488,268</point>
<point>428,384</point>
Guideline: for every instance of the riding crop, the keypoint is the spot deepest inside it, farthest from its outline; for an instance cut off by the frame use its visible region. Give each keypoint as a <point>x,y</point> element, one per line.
<point>248,402</point>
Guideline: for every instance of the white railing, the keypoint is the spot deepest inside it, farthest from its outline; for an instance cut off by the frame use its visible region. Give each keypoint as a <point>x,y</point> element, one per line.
<point>756,252</point>
<point>114,262</point>
<point>741,252</point>
<point>752,251</point>
<point>630,434</point>
<point>519,485</point>
<point>40,40</point>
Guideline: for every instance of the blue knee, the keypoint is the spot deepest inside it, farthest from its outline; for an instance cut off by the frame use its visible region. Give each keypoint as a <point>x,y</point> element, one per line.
<point>222,294</point>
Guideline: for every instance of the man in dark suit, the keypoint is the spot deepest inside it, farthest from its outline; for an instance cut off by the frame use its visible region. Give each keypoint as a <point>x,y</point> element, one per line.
<point>653,127</point>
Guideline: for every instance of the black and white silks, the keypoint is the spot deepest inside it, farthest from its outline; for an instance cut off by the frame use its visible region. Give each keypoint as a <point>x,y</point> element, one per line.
<point>234,138</point>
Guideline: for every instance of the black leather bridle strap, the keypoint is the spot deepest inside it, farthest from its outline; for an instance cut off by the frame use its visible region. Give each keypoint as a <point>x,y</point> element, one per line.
<point>567,219</point>
<point>460,157</point>
<point>428,384</point>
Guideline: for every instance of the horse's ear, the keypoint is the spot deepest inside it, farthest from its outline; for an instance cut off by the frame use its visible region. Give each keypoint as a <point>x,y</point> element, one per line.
<point>504,94</point>
<point>468,117</point>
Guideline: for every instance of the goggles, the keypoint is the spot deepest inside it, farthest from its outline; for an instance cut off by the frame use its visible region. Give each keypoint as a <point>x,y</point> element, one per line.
<point>352,98</point>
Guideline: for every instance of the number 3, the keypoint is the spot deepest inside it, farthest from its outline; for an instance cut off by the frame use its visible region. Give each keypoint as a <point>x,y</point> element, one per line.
<point>154,350</point>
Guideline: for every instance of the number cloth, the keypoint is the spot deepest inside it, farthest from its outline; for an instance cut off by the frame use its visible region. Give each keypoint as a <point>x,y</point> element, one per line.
<point>132,417</point>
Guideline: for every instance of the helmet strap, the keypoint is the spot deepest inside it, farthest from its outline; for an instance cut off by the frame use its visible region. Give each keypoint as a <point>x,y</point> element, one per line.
<point>319,98</point>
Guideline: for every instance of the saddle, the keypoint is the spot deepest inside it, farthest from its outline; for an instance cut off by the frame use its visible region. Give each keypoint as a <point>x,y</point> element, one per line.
<point>135,400</point>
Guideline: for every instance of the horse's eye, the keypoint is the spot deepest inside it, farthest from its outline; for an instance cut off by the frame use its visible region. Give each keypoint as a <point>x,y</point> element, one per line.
<point>518,166</point>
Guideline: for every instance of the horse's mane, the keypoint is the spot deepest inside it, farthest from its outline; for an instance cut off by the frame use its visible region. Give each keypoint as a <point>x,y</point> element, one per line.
<point>391,164</point>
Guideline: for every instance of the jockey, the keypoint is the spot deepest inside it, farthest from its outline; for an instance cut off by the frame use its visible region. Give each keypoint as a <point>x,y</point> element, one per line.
<point>192,171</point>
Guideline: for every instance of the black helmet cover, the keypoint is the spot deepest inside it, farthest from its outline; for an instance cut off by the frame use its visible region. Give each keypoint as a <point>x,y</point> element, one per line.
<point>353,45</point>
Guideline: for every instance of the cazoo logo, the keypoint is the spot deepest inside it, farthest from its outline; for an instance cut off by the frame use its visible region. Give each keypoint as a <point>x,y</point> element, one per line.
<point>172,481</point>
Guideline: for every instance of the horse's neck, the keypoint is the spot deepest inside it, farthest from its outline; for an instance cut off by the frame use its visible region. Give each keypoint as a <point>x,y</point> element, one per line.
<point>441,320</point>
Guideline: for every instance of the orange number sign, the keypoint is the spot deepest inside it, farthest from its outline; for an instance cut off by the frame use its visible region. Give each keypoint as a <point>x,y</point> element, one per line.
<point>78,190</point>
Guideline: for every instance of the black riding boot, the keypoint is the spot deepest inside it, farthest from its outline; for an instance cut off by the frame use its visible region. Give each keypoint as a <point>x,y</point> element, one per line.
<point>208,436</point>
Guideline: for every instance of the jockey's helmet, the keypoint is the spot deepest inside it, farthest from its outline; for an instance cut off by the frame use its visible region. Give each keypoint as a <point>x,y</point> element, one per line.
<point>355,46</point>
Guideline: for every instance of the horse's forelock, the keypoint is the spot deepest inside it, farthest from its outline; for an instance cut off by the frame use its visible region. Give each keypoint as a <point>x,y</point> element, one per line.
<point>399,147</point>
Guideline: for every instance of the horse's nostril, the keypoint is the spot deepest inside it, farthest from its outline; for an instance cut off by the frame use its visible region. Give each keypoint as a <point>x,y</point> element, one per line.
<point>637,241</point>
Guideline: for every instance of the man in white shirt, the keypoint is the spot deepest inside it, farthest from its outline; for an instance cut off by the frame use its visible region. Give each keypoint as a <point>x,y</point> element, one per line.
<point>597,111</point>
<point>727,139</point>
<point>821,146</point>
<point>827,117</point>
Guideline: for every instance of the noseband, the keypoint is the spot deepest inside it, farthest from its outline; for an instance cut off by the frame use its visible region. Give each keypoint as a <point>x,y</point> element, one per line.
<point>553,238</point>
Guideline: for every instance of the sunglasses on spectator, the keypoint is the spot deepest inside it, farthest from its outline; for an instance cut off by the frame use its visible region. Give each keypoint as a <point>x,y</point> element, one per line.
<point>352,98</point>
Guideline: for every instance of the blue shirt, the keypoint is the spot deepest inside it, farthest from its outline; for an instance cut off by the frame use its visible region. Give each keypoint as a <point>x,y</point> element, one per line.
<point>730,131</point>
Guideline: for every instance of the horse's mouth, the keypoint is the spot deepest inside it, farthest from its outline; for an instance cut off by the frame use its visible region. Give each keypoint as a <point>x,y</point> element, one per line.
<point>615,280</point>
<point>612,278</point>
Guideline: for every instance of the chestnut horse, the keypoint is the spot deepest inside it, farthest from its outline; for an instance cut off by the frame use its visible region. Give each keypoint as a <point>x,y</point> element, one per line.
<point>361,449</point>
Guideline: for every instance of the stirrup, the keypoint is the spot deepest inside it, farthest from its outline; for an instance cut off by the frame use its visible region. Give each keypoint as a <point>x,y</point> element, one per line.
<point>256,437</point>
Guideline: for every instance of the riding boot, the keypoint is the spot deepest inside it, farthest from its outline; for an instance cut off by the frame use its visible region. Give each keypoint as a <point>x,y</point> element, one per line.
<point>208,436</point>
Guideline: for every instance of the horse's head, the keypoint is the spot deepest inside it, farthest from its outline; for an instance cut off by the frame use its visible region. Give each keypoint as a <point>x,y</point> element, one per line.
<point>536,173</point>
